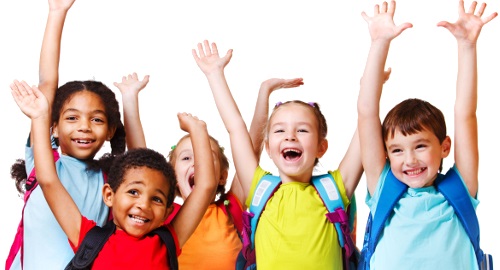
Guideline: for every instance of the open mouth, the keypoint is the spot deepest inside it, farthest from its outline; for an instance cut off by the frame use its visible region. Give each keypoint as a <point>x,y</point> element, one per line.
<point>415,171</point>
<point>82,141</point>
<point>138,219</point>
<point>191,180</point>
<point>291,154</point>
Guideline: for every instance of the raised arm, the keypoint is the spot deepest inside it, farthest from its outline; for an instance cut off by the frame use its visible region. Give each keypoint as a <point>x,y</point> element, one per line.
<point>350,167</point>
<point>382,31</point>
<point>259,120</point>
<point>51,48</point>
<point>196,204</point>
<point>34,104</point>
<point>208,60</point>
<point>466,30</point>
<point>129,87</point>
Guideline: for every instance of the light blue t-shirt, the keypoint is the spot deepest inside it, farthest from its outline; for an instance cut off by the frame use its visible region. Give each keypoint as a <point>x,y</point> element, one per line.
<point>45,243</point>
<point>423,232</point>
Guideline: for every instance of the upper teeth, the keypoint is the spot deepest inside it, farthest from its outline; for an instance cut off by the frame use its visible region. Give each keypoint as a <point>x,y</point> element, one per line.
<point>139,219</point>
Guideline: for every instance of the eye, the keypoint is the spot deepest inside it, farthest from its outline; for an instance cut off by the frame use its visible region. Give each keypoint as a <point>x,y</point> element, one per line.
<point>278,131</point>
<point>303,130</point>
<point>420,146</point>
<point>396,151</point>
<point>158,200</point>
<point>98,120</point>
<point>187,158</point>
<point>71,118</point>
<point>133,192</point>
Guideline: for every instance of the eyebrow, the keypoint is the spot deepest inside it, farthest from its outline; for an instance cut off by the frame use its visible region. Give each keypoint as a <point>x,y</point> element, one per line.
<point>76,110</point>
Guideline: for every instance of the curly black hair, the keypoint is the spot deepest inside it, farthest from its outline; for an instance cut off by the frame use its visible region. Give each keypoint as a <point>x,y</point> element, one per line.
<point>62,95</point>
<point>142,157</point>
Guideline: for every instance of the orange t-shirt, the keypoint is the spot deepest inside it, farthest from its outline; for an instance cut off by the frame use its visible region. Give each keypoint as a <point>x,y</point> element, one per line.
<point>215,244</point>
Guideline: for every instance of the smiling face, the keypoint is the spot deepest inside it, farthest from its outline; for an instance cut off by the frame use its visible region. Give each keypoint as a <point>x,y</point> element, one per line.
<point>416,158</point>
<point>294,142</point>
<point>183,161</point>
<point>83,127</point>
<point>139,204</point>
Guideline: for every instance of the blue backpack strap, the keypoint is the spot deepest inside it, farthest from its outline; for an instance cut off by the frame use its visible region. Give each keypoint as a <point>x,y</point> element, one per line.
<point>455,193</point>
<point>337,214</point>
<point>265,188</point>
<point>391,192</point>
<point>329,193</point>
<point>263,191</point>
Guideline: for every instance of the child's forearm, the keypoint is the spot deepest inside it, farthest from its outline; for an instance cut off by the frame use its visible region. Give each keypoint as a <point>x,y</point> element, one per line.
<point>50,53</point>
<point>132,122</point>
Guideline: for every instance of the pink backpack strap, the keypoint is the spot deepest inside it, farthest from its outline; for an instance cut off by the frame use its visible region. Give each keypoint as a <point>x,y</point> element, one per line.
<point>17,244</point>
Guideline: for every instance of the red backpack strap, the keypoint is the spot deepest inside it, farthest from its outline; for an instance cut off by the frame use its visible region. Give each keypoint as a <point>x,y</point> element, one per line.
<point>17,244</point>
<point>235,209</point>
<point>177,207</point>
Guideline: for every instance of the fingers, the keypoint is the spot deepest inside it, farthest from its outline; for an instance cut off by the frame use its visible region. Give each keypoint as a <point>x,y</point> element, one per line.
<point>490,17</point>
<point>21,89</point>
<point>205,50</point>
<point>472,7</point>
<point>480,11</point>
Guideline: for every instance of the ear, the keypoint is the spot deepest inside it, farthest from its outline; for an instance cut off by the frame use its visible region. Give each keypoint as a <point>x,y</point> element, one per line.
<point>55,131</point>
<point>446,147</point>
<point>111,133</point>
<point>168,211</point>
<point>107,195</point>
<point>223,177</point>
<point>323,146</point>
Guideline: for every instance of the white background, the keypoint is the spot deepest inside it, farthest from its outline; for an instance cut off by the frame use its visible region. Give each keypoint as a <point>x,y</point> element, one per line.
<point>325,42</point>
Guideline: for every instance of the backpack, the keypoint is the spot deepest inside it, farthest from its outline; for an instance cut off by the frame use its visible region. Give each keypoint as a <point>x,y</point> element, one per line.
<point>17,244</point>
<point>95,239</point>
<point>342,218</point>
<point>455,193</point>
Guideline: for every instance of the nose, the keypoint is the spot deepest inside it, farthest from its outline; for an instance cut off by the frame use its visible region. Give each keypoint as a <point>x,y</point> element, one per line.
<point>410,158</point>
<point>84,126</point>
<point>290,136</point>
<point>143,203</point>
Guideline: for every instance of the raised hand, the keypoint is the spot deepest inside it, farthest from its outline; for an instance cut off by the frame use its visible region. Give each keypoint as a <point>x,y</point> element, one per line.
<point>469,24</point>
<point>190,123</point>
<point>381,24</point>
<point>131,85</point>
<point>208,60</point>
<point>275,84</point>
<point>60,4</point>
<point>30,100</point>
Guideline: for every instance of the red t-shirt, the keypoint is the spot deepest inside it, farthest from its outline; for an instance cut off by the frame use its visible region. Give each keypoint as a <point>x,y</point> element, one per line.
<point>123,251</point>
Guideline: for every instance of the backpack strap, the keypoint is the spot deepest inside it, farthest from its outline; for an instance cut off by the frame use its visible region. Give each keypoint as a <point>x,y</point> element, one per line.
<point>235,209</point>
<point>167,238</point>
<point>91,245</point>
<point>329,193</point>
<point>265,188</point>
<point>391,192</point>
<point>94,241</point>
<point>456,194</point>
<point>17,244</point>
